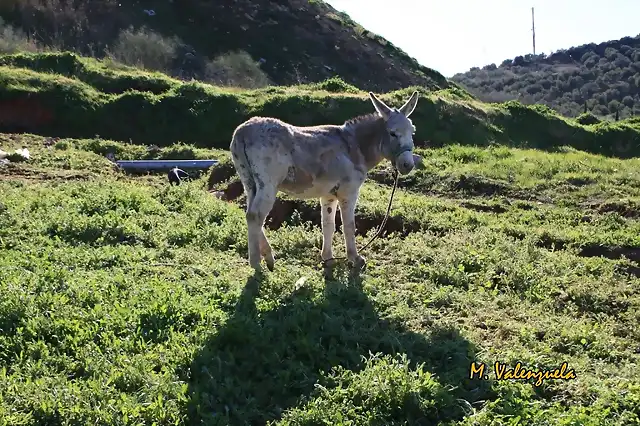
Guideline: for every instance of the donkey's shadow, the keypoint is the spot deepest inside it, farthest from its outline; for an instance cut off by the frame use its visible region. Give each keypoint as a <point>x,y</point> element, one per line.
<point>260,364</point>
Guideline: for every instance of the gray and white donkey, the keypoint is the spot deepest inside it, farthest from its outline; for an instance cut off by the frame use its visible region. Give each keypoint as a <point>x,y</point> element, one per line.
<point>329,162</point>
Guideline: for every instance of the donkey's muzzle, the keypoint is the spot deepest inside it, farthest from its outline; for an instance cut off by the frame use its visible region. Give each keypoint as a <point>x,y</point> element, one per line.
<point>404,163</point>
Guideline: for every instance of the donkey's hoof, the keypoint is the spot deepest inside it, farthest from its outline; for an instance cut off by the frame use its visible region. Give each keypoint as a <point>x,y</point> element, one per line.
<point>329,263</point>
<point>271,264</point>
<point>358,262</point>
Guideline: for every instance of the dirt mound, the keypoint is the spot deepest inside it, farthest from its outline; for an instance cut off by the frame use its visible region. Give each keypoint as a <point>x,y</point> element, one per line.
<point>494,208</point>
<point>18,173</point>
<point>290,211</point>
<point>472,185</point>
<point>293,212</point>
<point>551,243</point>
<point>627,209</point>
<point>581,181</point>
<point>632,253</point>
<point>220,173</point>
<point>629,270</point>
<point>477,185</point>
<point>232,192</point>
<point>594,250</point>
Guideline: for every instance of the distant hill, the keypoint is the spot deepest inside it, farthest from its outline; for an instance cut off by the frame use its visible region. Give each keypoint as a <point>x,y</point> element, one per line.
<point>605,76</point>
<point>290,41</point>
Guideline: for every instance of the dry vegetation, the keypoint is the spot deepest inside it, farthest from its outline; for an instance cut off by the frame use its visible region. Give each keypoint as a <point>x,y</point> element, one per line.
<point>145,49</point>
<point>14,40</point>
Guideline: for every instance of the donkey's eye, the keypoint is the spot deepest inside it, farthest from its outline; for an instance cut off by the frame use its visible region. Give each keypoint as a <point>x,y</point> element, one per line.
<point>393,134</point>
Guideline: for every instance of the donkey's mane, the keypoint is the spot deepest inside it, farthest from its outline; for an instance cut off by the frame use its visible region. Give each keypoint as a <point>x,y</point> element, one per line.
<point>362,118</point>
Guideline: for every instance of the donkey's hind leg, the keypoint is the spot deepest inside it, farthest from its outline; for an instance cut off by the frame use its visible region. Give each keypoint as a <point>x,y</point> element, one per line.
<point>265,247</point>
<point>266,251</point>
<point>257,212</point>
<point>328,216</point>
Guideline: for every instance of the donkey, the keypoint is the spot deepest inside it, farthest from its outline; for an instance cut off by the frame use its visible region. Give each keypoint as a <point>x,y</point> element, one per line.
<point>329,162</point>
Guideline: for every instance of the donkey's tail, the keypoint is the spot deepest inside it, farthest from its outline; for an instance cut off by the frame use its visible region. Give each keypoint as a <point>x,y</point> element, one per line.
<point>241,162</point>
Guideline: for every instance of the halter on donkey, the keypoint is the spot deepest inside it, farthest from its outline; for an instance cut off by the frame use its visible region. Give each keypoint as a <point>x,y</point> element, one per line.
<point>329,162</point>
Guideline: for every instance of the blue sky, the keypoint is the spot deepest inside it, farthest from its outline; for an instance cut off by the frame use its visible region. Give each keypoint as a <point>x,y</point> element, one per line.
<point>454,35</point>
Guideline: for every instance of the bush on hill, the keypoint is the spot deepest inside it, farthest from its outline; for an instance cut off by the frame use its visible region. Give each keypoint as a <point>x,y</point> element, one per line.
<point>14,40</point>
<point>146,49</point>
<point>587,118</point>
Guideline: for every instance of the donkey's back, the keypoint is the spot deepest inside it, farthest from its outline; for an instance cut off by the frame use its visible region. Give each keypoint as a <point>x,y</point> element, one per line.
<point>305,162</point>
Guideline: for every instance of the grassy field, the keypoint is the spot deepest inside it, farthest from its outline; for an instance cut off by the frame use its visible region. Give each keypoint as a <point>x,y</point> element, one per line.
<point>127,301</point>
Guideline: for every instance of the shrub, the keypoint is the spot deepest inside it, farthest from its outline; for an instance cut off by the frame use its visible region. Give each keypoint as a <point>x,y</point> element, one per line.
<point>145,49</point>
<point>14,40</point>
<point>235,69</point>
<point>336,85</point>
<point>587,118</point>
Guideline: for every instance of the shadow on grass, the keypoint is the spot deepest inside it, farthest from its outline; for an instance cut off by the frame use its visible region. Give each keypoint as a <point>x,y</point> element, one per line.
<point>262,363</point>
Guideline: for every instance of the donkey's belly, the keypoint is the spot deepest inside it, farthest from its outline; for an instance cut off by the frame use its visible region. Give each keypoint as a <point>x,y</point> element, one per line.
<point>297,190</point>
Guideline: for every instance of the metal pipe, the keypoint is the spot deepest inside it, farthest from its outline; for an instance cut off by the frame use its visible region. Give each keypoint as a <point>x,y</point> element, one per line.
<point>166,164</point>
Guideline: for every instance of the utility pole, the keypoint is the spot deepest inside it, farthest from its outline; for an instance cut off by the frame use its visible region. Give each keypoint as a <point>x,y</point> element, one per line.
<point>533,29</point>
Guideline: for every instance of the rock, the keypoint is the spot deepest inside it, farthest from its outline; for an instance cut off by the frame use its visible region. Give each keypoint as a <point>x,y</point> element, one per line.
<point>21,154</point>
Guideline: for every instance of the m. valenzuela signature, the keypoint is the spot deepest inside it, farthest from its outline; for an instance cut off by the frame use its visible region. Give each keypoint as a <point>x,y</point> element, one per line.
<point>502,372</point>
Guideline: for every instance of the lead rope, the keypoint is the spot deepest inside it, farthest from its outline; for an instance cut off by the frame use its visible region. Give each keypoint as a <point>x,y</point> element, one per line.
<point>384,221</point>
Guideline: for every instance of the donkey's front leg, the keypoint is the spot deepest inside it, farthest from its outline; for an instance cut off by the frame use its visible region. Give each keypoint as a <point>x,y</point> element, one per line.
<point>347,212</point>
<point>328,213</point>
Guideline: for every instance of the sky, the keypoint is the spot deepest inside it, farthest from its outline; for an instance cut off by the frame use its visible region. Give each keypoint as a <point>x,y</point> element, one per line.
<point>452,36</point>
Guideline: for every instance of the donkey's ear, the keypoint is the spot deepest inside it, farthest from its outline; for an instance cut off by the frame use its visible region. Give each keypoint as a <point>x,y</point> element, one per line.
<point>380,106</point>
<point>408,108</point>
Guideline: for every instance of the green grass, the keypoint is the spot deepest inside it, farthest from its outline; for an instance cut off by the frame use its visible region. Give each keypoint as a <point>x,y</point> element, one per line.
<point>127,301</point>
<point>81,98</point>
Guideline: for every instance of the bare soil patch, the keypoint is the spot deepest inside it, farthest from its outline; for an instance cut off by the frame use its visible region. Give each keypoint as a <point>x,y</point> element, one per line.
<point>627,209</point>
<point>17,173</point>
<point>289,211</point>
<point>632,253</point>
<point>221,173</point>
<point>493,208</point>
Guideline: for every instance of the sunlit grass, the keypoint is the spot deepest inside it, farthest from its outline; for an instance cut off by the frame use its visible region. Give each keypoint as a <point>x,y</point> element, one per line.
<point>127,301</point>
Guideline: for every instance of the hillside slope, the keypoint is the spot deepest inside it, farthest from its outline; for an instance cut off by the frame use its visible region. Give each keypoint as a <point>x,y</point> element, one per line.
<point>296,41</point>
<point>605,76</point>
<point>68,96</point>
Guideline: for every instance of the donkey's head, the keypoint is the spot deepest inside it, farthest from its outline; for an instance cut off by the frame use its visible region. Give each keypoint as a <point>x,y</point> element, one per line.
<point>398,147</point>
